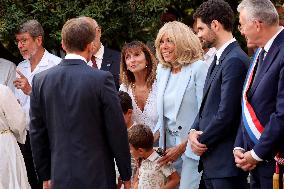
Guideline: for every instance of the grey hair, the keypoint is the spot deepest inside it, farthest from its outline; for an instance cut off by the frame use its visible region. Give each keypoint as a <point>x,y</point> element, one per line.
<point>262,10</point>
<point>33,27</point>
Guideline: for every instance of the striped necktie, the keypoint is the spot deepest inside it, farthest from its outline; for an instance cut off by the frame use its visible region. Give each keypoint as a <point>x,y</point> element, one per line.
<point>94,63</point>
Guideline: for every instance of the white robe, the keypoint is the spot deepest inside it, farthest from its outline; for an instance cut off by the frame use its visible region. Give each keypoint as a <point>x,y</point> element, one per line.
<point>13,174</point>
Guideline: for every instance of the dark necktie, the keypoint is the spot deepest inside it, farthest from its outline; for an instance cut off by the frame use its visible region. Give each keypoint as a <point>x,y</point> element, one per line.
<point>259,64</point>
<point>210,71</point>
<point>93,59</point>
<point>213,64</point>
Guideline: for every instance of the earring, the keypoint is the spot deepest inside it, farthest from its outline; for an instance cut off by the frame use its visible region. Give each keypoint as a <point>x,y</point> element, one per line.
<point>146,66</point>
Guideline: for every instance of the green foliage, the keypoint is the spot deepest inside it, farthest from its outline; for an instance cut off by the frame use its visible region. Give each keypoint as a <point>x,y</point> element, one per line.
<point>121,20</point>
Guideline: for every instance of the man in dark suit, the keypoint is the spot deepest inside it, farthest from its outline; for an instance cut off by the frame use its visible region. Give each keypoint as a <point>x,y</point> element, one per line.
<point>215,127</point>
<point>77,127</point>
<point>105,59</point>
<point>260,139</point>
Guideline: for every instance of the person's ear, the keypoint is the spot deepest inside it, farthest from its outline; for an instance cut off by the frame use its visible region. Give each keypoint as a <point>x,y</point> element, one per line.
<point>258,25</point>
<point>140,151</point>
<point>63,46</point>
<point>39,40</point>
<point>129,112</point>
<point>215,25</point>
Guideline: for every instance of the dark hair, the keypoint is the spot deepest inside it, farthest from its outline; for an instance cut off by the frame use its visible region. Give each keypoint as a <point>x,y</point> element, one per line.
<point>77,33</point>
<point>216,10</point>
<point>141,136</point>
<point>126,76</point>
<point>33,27</point>
<point>125,101</point>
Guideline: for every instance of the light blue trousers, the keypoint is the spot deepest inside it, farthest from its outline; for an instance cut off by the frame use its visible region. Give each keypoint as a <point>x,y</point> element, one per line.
<point>190,177</point>
<point>186,167</point>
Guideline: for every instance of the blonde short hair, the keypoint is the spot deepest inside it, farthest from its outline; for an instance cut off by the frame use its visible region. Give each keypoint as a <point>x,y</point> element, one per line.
<point>188,47</point>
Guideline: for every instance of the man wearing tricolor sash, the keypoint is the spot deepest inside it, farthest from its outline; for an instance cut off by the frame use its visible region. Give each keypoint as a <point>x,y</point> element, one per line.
<point>259,146</point>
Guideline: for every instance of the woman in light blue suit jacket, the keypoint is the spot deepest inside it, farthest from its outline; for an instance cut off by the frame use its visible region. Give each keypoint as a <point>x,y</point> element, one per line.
<point>180,77</point>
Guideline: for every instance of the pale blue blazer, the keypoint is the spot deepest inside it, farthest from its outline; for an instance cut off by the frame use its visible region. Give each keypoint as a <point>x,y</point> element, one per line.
<point>188,100</point>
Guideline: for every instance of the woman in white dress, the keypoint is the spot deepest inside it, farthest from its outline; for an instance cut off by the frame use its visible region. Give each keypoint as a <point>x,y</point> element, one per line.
<point>13,173</point>
<point>138,76</point>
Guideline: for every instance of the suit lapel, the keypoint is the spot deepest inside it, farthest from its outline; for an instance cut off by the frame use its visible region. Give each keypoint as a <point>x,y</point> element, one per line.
<point>208,76</point>
<point>268,60</point>
<point>182,84</point>
<point>163,80</point>
<point>218,67</point>
<point>107,61</point>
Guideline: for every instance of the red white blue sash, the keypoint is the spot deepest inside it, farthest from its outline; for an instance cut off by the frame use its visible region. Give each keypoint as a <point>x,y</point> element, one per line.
<point>249,118</point>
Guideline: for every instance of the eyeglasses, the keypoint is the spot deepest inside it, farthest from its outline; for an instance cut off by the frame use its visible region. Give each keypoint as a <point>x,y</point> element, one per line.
<point>22,41</point>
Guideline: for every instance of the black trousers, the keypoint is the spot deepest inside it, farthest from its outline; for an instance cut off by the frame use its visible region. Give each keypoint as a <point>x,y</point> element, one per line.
<point>202,184</point>
<point>27,154</point>
<point>226,183</point>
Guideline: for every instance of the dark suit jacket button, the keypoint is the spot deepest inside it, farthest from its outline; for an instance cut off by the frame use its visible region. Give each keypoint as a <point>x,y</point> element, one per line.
<point>179,127</point>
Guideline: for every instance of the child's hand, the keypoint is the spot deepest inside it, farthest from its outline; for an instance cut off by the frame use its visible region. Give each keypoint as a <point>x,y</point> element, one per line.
<point>127,184</point>
<point>119,183</point>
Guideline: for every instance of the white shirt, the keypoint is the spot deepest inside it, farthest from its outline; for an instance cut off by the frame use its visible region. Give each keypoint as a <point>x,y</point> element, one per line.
<point>7,73</point>
<point>75,56</point>
<point>47,61</point>
<point>269,43</point>
<point>209,56</point>
<point>150,175</point>
<point>222,48</point>
<point>99,57</point>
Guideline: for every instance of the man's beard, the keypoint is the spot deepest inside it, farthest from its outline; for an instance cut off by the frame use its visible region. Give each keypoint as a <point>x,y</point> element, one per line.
<point>32,54</point>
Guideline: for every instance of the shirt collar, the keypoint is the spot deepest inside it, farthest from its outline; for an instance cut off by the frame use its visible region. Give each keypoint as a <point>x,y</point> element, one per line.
<point>100,52</point>
<point>211,52</point>
<point>269,43</point>
<point>42,63</point>
<point>154,156</point>
<point>75,56</point>
<point>222,48</point>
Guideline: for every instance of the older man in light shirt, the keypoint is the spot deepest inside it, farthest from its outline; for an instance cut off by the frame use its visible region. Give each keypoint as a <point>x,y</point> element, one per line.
<point>29,38</point>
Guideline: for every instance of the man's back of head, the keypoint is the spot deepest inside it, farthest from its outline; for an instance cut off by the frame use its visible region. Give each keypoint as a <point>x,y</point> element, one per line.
<point>78,34</point>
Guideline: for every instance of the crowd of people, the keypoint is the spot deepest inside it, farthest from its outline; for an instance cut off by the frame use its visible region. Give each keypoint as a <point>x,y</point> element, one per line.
<point>198,110</point>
